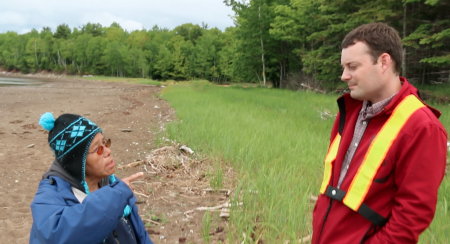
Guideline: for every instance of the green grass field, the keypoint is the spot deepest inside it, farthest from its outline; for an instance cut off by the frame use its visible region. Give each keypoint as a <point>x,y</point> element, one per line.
<point>276,141</point>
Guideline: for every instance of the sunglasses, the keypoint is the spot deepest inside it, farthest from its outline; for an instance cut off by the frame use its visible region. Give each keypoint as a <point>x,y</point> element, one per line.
<point>100,149</point>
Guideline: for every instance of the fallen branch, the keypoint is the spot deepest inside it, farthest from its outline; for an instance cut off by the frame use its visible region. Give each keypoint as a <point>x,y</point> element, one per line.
<point>305,239</point>
<point>224,215</point>
<point>153,222</point>
<point>164,199</point>
<point>225,205</point>
<point>184,148</point>
<point>312,88</point>
<point>130,165</point>
<point>141,194</point>
<point>150,172</point>
<point>221,191</point>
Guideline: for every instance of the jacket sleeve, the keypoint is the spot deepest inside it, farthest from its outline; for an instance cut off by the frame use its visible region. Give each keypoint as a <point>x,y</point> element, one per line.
<point>419,171</point>
<point>90,222</point>
<point>139,227</point>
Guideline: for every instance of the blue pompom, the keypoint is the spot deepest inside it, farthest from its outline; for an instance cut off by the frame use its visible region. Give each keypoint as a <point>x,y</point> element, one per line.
<point>47,121</point>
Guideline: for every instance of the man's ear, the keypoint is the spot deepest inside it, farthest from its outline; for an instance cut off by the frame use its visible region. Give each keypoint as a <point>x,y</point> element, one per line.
<point>385,61</point>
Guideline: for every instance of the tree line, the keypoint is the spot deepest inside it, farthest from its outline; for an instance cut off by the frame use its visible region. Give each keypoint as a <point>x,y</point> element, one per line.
<point>286,42</point>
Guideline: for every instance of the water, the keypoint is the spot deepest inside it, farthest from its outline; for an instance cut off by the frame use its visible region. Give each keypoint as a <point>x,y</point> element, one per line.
<point>7,81</point>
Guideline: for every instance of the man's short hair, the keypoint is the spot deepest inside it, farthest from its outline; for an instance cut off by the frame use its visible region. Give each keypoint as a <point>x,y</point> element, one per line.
<point>380,38</point>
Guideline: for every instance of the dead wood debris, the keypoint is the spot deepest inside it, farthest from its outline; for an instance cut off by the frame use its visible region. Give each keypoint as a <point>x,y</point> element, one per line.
<point>326,115</point>
<point>131,164</point>
<point>312,198</point>
<point>308,87</point>
<point>306,239</point>
<point>172,158</point>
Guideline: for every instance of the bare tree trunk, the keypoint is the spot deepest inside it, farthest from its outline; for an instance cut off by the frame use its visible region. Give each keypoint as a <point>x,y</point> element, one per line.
<point>259,80</point>
<point>59,59</point>
<point>262,52</point>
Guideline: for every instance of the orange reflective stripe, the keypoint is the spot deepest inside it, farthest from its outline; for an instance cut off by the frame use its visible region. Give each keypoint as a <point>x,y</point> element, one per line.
<point>331,156</point>
<point>377,151</point>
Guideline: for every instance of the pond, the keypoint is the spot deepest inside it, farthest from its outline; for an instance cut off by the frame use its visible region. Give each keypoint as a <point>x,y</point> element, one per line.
<point>8,81</point>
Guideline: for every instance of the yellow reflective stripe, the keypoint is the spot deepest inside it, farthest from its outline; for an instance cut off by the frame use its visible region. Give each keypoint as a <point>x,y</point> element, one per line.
<point>331,156</point>
<point>377,151</point>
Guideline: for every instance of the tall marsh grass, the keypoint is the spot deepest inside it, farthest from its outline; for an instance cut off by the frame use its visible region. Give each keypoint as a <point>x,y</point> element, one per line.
<point>276,141</point>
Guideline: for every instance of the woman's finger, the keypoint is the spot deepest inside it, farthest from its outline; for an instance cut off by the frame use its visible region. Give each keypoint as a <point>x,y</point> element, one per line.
<point>134,177</point>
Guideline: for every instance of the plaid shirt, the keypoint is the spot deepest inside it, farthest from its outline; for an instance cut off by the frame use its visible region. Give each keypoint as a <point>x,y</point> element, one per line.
<point>367,112</point>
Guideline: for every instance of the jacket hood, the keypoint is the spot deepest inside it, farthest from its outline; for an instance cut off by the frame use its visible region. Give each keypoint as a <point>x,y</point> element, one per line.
<point>57,170</point>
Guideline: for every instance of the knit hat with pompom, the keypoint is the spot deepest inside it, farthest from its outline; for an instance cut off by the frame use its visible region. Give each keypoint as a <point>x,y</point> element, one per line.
<point>70,137</point>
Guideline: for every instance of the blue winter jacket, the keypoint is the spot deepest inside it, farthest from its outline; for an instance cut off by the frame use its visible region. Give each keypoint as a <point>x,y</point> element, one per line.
<point>58,216</point>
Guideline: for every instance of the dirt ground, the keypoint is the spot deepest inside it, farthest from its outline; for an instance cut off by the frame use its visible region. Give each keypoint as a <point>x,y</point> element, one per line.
<point>166,194</point>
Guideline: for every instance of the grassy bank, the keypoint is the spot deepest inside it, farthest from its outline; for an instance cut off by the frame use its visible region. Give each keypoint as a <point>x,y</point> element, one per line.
<point>277,141</point>
<point>123,79</point>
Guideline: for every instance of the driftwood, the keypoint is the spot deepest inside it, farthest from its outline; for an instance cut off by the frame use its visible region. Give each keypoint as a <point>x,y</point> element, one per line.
<point>312,88</point>
<point>304,240</point>
<point>225,205</point>
<point>130,165</point>
<point>227,192</point>
<point>153,222</point>
<point>140,194</point>
<point>184,148</point>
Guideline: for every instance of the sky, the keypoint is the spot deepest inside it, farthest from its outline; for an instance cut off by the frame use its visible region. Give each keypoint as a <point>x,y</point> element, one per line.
<point>23,15</point>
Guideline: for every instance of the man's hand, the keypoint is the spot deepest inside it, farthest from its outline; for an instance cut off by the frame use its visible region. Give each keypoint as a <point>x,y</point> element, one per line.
<point>132,178</point>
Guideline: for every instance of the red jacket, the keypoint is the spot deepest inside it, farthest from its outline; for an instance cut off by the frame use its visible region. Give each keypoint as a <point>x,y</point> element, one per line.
<point>405,187</point>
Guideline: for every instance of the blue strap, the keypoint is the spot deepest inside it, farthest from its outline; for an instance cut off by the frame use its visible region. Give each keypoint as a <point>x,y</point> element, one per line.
<point>127,209</point>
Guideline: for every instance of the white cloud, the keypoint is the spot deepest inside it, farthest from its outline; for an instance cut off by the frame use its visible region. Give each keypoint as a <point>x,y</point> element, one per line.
<point>12,18</point>
<point>23,31</point>
<point>17,15</point>
<point>106,19</point>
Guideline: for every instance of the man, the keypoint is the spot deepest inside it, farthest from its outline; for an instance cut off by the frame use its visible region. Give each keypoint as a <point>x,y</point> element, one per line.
<point>387,153</point>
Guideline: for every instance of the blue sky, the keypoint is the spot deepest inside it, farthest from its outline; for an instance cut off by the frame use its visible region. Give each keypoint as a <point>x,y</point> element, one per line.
<point>23,15</point>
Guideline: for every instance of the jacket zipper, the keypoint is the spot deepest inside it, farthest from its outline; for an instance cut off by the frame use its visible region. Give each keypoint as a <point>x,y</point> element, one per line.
<point>324,220</point>
<point>363,240</point>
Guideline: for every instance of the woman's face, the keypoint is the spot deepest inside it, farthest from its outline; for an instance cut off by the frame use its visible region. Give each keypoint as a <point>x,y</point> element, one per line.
<point>99,166</point>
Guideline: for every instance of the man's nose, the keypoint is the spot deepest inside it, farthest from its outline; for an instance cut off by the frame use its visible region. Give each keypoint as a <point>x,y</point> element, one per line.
<point>345,75</point>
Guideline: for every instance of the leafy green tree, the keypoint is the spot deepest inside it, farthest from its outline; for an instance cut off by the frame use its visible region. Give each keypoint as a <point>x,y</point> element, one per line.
<point>92,29</point>
<point>164,64</point>
<point>189,32</point>
<point>94,52</point>
<point>62,32</point>
<point>81,46</point>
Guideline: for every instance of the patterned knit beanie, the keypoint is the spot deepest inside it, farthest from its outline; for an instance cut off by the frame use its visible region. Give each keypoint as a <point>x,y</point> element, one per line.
<point>70,137</point>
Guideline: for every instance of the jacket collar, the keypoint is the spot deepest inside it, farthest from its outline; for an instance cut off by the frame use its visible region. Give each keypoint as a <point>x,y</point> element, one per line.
<point>406,90</point>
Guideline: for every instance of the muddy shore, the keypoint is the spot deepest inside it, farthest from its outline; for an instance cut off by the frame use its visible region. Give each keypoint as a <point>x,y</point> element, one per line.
<point>114,106</point>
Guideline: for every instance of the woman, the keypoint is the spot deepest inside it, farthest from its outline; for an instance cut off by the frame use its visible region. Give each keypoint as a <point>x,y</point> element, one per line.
<point>79,200</point>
